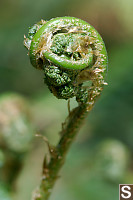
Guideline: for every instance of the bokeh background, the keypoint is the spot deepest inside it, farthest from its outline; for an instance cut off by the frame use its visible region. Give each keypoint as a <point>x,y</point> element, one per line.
<point>101,156</point>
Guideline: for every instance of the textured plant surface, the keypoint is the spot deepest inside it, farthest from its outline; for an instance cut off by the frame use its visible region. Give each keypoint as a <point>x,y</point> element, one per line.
<point>73,58</point>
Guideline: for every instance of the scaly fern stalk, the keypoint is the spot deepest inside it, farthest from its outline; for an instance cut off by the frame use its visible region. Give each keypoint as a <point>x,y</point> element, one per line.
<point>73,57</point>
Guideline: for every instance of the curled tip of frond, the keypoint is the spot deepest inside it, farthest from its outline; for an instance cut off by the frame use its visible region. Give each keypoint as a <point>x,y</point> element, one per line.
<point>66,49</point>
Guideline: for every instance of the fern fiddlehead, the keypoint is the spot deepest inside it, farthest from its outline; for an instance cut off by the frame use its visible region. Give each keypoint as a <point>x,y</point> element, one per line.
<point>71,53</point>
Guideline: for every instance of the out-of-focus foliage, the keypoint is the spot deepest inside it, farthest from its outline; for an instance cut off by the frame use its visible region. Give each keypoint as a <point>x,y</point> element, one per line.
<point>16,136</point>
<point>111,160</point>
<point>2,158</point>
<point>4,194</point>
<point>86,174</point>
<point>16,129</point>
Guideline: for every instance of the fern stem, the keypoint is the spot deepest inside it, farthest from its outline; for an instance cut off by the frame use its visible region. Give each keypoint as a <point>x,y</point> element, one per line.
<point>70,52</point>
<point>51,170</point>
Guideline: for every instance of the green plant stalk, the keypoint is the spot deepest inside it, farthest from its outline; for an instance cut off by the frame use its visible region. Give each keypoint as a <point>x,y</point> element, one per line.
<point>58,155</point>
<point>70,52</point>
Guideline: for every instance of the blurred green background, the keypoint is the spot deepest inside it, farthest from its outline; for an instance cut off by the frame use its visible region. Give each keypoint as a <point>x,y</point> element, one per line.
<point>101,157</point>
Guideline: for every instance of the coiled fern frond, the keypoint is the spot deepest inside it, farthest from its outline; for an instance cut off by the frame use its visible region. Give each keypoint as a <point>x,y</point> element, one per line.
<point>70,52</point>
<point>73,57</point>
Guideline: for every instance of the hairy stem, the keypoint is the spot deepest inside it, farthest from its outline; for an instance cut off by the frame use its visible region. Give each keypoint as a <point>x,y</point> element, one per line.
<point>51,170</point>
